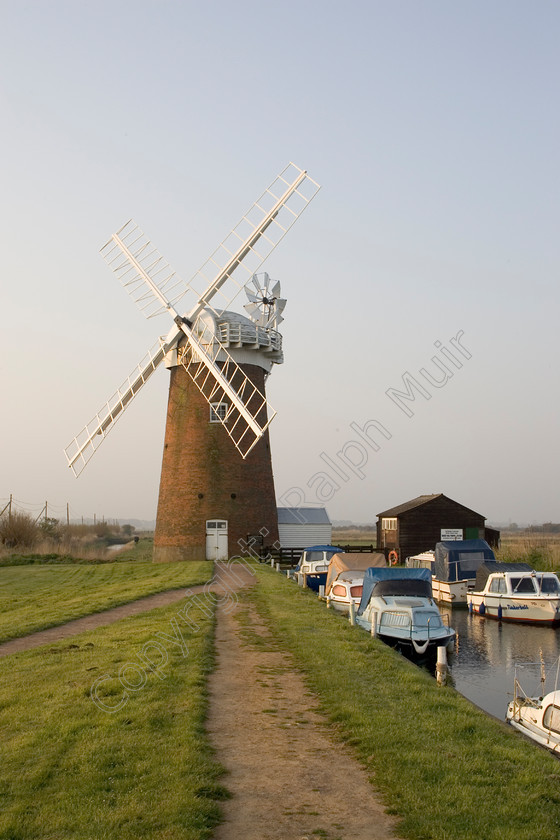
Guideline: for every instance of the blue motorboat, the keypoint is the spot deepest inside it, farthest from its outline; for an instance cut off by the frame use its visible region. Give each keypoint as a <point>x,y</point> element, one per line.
<point>314,563</point>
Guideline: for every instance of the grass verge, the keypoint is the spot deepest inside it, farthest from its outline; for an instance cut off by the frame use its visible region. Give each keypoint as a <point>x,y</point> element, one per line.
<point>444,767</point>
<point>73,771</point>
<point>36,597</point>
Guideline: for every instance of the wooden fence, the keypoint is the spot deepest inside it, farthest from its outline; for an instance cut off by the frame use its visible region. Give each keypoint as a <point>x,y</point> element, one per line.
<point>290,557</point>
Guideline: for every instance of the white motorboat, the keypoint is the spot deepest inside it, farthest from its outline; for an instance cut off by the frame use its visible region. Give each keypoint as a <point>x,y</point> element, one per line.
<point>516,592</point>
<point>397,606</point>
<point>454,565</point>
<point>537,717</point>
<point>345,577</point>
<point>346,588</point>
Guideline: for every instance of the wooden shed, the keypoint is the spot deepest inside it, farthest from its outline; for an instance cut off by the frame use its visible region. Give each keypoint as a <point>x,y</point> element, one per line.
<point>417,525</point>
<point>303,527</point>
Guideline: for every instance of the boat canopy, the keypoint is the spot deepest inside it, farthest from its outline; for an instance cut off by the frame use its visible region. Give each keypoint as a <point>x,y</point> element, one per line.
<point>354,561</point>
<point>459,559</point>
<point>489,568</point>
<point>317,553</point>
<point>391,581</point>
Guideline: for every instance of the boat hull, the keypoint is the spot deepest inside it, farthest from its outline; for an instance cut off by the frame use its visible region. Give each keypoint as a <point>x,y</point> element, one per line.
<point>313,580</point>
<point>414,643</point>
<point>521,610</point>
<point>538,718</point>
<point>417,647</point>
<point>451,592</point>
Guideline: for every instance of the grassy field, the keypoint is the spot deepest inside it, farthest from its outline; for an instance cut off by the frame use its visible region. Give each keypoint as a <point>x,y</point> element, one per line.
<point>33,597</point>
<point>72,771</point>
<point>354,536</point>
<point>445,768</point>
<point>48,552</point>
<point>136,762</point>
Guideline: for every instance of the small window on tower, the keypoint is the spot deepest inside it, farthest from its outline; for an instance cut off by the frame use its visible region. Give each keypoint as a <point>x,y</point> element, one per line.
<point>218,412</point>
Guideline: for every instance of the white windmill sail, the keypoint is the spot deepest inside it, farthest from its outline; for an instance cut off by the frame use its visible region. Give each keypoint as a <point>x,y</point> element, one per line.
<point>84,445</point>
<point>156,288</point>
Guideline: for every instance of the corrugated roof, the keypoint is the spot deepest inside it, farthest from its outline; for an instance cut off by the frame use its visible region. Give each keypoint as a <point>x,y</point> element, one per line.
<point>418,502</point>
<point>303,516</point>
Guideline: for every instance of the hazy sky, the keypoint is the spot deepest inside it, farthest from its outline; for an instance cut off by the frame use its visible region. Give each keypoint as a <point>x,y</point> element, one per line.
<point>433,129</point>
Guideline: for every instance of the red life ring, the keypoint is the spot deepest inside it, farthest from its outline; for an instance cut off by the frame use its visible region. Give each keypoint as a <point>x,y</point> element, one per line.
<point>393,558</point>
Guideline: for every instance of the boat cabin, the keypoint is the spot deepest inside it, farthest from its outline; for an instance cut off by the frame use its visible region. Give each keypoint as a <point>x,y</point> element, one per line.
<point>347,588</point>
<point>314,563</point>
<point>454,565</point>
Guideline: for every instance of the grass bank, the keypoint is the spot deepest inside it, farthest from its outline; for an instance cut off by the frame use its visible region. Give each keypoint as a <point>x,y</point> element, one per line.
<point>73,771</point>
<point>445,768</point>
<point>36,597</point>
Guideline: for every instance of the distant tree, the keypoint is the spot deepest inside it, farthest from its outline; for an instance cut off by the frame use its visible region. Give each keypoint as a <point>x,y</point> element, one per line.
<point>50,527</point>
<point>128,529</point>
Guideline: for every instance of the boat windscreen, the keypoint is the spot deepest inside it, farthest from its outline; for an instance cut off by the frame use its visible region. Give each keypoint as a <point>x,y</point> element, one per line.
<point>522,585</point>
<point>313,556</point>
<point>417,588</point>
<point>549,585</point>
<point>423,618</point>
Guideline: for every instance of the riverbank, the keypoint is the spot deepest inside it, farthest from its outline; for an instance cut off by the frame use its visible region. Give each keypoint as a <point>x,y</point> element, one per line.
<point>444,767</point>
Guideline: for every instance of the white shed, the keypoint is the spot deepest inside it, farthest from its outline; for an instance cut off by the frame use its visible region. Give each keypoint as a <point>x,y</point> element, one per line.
<point>303,527</point>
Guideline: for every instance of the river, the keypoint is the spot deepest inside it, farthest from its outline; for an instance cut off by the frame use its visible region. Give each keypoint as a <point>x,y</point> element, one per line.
<point>487,652</point>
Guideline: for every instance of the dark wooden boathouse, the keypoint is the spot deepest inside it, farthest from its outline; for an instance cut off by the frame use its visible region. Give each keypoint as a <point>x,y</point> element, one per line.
<point>417,525</point>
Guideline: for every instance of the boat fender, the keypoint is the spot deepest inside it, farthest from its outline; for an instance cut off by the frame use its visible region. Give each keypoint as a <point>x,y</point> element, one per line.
<point>393,558</point>
<point>499,612</point>
<point>482,608</point>
<point>420,647</point>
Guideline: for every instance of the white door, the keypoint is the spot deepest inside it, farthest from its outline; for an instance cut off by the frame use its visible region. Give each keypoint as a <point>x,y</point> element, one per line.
<point>217,539</point>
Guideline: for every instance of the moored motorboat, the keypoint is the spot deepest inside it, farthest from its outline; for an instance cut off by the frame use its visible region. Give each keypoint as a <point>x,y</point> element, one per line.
<point>346,589</point>
<point>345,576</point>
<point>314,563</point>
<point>454,565</point>
<point>397,606</point>
<point>516,592</point>
<point>537,717</point>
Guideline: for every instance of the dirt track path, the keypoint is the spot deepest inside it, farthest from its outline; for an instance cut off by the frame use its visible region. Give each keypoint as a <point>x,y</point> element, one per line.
<point>287,777</point>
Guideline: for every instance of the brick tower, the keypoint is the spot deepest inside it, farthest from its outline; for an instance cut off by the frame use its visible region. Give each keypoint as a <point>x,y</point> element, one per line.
<point>204,480</point>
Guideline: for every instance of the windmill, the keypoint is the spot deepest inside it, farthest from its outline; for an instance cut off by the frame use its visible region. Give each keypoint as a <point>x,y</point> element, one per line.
<point>216,487</point>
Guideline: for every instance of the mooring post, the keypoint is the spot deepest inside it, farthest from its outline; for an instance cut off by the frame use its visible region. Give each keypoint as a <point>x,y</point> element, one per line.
<point>441,665</point>
<point>352,613</point>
